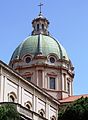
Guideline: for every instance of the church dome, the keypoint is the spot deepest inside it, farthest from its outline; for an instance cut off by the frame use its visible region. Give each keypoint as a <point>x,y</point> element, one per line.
<point>40,44</point>
<point>42,60</point>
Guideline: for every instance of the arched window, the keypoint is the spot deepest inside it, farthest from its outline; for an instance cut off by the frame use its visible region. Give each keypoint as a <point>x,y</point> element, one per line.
<point>37,26</point>
<point>41,112</point>
<point>28,105</point>
<point>53,118</point>
<point>12,97</point>
<point>42,26</point>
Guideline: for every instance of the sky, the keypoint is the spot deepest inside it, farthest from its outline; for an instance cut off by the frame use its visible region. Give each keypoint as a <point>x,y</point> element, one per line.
<point>68,24</point>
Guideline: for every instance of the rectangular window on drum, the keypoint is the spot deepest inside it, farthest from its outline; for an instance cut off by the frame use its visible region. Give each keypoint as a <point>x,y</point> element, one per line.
<point>28,78</point>
<point>68,87</point>
<point>52,83</point>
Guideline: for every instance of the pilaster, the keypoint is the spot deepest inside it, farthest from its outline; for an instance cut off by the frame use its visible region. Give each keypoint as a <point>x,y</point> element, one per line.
<point>1,88</point>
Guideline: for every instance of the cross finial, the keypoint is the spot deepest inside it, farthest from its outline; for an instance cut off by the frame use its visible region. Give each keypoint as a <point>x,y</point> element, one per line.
<point>40,5</point>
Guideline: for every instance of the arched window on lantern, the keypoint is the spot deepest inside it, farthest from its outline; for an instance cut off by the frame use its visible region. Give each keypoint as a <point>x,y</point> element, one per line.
<point>42,26</point>
<point>37,26</point>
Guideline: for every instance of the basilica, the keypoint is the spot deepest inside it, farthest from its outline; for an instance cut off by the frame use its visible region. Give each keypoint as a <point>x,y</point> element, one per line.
<point>39,77</point>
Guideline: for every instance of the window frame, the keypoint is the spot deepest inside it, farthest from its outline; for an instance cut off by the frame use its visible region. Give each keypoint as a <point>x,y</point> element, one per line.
<point>38,26</point>
<point>28,105</point>
<point>54,57</point>
<point>53,118</point>
<point>51,59</point>
<point>11,98</point>
<point>41,111</point>
<point>42,26</point>
<point>54,82</point>
<point>26,59</point>
<point>12,95</point>
<point>28,78</point>
<point>68,86</point>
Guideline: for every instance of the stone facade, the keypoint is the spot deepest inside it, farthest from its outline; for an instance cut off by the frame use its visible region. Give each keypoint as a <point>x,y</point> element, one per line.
<point>23,93</point>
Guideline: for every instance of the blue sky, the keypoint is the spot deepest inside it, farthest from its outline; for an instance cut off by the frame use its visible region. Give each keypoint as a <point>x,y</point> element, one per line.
<point>68,23</point>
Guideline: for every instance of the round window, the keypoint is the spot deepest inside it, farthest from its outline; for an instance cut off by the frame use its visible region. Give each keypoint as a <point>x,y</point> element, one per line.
<point>28,59</point>
<point>52,59</point>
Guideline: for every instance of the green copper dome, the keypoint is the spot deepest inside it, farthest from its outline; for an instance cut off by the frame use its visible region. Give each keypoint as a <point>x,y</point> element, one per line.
<point>40,44</point>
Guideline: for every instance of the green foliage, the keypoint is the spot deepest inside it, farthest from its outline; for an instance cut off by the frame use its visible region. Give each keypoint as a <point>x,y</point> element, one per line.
<point>78,110</point>
<point>9,112</point>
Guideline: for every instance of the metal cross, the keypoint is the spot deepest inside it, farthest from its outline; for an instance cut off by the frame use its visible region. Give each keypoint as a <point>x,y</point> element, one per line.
<point>40,5</point>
